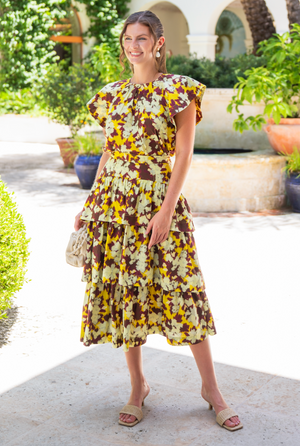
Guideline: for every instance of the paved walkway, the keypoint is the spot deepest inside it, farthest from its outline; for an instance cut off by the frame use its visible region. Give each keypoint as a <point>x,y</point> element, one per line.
<point>56,392</point>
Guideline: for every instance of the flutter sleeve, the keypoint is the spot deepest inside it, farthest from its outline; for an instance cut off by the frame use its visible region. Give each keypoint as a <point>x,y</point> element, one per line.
<point>181,94</point>
<point>99,105</point>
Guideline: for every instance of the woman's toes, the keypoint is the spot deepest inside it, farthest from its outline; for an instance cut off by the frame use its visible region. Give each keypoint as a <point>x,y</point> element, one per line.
<point>131,419</point>
<point>229,423</point>
<point>127,418</point>
<point>233,421</point>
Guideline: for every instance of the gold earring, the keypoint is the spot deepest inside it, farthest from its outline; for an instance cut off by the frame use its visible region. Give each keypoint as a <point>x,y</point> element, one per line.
<point>157,53</point>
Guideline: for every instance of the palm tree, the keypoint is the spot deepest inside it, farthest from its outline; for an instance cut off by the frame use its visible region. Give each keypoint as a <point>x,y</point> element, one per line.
<point>293,7</point>
<point>260,21</point>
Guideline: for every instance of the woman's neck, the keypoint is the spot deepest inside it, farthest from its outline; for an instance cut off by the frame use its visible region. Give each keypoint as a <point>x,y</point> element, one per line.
<point>144,75</point>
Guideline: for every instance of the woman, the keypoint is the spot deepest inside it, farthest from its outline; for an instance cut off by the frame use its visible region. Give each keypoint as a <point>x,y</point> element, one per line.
<point>142,269</point>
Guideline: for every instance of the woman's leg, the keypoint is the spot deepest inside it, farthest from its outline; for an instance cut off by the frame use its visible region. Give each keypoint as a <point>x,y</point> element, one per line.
<point>140,387</point>
<point>210,391</point>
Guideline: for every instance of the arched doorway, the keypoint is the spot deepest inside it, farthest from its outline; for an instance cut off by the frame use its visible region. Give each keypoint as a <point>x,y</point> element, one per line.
<point>232,29</point>
<point>69,41</point>
<point>175,26</point>
<point>231,35</point>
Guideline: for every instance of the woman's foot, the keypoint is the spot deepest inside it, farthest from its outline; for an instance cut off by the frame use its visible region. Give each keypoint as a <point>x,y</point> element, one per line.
<point>216,399</point>
<point>139,391</point>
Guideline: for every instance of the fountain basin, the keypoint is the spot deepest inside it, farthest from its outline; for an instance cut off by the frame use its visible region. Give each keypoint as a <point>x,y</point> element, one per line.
<point>239,182</point>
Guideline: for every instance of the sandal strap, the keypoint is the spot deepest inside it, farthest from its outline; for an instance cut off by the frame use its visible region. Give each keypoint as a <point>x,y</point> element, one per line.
<point>132,410</point>
<point>224,415</point>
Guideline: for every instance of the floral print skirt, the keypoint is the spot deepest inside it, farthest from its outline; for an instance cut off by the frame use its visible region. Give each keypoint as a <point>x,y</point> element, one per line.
<point>133,291</point>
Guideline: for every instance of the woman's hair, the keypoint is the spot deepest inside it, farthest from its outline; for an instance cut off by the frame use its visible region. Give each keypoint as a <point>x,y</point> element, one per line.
<point>151,20</point>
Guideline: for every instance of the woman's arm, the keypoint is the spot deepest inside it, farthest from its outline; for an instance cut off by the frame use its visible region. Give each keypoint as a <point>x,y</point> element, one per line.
<point>104,158</point>
<point>185,135</point>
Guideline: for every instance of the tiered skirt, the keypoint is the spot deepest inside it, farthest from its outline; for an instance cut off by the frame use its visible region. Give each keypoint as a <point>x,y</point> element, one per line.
<point>133,291</point>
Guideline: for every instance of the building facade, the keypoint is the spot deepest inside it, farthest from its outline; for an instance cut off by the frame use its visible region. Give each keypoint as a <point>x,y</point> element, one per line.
<point>200,27</point>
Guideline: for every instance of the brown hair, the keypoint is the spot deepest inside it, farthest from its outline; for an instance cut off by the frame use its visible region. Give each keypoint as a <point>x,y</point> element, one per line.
<point>151,20</point>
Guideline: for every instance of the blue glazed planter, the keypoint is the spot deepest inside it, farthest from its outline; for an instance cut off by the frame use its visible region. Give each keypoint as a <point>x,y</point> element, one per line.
<point>292,186</point>
<point>86,169</point>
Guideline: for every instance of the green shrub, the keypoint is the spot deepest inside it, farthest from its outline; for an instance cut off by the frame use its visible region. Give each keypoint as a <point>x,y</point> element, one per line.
<point>66,92</point>
<point>25,29</point>
<point>87,144</point>
<point>14,251</point>
<point>25,101</point>
<point>105,58</point>
<point>292,162</point>
<point>277,84</point>
<point>25,45</point>
<point>104,16</point>
<point>221,73</point>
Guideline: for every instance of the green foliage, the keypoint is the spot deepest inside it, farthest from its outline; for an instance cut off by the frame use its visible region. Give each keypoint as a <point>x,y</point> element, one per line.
<point>277,83</point>
<point>104,15</point>
<point>14,251</point>
<point>222,73</point>
<point>65,94</point>
<point>21,102</point>
<point>292,162</point>
<point>26,51</point>
<point>105,58</point>
<point>87,144</point>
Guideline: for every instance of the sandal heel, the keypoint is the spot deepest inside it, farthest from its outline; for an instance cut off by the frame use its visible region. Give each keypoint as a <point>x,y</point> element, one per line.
<point>209,406</point>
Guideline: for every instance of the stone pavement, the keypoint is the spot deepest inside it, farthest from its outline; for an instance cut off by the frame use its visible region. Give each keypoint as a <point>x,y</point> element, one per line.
<point>56,392</point>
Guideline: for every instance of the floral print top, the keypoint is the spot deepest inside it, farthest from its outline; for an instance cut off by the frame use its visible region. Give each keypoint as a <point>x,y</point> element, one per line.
<point>140,135</point>
<point>140,117</point>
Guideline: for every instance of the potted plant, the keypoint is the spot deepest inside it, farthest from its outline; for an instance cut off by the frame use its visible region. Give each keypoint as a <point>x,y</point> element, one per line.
<point>292,181</point>
<point>278,85</point>
<point>89,151</point>
<point>65,92</point>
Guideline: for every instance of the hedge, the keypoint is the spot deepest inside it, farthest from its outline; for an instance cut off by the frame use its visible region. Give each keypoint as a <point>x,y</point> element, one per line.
<point>14,252</point>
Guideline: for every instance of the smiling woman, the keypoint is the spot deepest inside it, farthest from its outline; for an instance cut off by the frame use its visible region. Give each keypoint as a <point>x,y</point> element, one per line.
<point>144,49</point>
<point>142,269</point>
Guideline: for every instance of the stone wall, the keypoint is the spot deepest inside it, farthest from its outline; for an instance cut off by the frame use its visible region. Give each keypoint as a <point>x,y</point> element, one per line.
<point>215,130</point>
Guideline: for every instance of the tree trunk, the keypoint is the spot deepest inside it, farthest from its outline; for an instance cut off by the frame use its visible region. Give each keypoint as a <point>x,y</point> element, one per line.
<point>293,7</point>
<point>260,21</point>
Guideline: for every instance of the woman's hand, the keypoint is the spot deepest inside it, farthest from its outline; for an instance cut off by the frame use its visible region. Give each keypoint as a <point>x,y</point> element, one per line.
<point>160,225</point>
<point>78,223</point>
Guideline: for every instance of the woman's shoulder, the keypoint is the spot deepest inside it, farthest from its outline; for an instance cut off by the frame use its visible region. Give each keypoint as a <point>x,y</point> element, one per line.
<point>180,81</point>
<point>113,87</point>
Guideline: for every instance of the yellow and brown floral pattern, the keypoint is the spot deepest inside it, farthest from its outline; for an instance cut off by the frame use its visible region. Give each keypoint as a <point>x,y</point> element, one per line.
<point>133,291</point>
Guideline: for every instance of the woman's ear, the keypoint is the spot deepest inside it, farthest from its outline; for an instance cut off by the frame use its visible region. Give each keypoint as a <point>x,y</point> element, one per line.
<point>161,41</point>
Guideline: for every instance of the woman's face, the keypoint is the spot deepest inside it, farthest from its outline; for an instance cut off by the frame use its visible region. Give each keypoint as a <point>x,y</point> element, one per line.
<point>138,44</point>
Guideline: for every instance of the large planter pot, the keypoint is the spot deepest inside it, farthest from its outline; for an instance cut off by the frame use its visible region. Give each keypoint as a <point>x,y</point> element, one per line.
<point>66,151</point>
<point>86,169</point>
<point>285,135</point>
<point>292,187</point>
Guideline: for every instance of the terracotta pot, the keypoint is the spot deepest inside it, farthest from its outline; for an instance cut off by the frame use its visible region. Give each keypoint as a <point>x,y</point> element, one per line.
<point>68,155</point>
<point>285,135</point>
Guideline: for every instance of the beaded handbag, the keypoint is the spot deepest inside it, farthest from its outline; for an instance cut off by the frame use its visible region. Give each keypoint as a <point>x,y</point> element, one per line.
<point>77,247</point>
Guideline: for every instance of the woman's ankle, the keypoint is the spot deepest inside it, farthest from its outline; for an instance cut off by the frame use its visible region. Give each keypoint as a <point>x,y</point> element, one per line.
<point>138,380</point>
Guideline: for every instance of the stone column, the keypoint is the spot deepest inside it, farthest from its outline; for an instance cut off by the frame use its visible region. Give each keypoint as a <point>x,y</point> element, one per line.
<point>203,45</point>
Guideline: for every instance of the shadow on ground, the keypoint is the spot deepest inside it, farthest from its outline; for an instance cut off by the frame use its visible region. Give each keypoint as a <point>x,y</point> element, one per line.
<point>6,325</point>
<point>77,403</point>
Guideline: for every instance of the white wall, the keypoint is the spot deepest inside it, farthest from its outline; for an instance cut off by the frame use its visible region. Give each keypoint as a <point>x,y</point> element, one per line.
<point>175,27</point>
